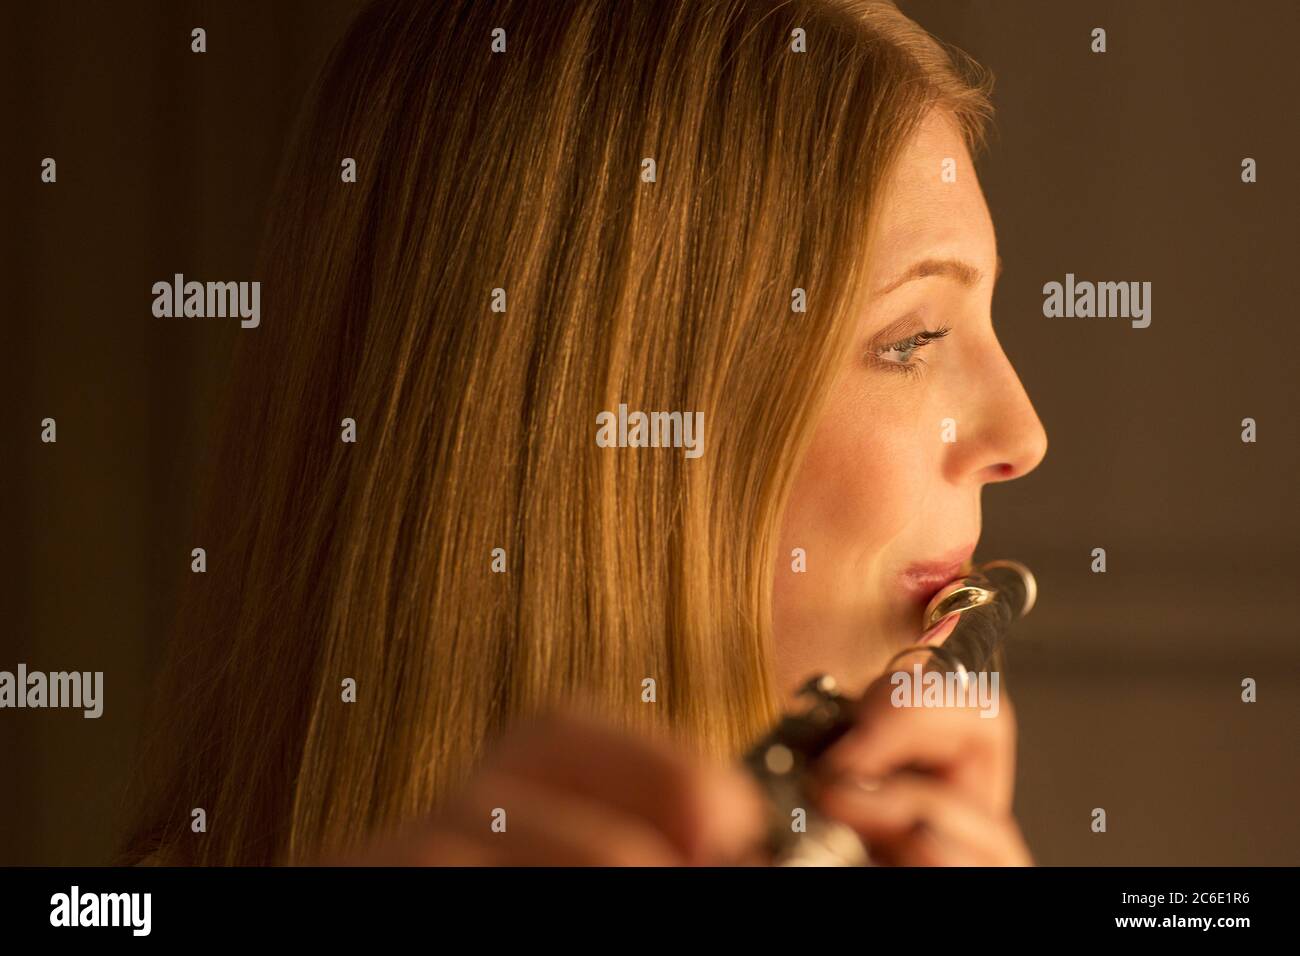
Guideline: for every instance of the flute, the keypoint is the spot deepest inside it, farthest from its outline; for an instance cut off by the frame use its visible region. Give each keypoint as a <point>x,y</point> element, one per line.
<point>987,602</point>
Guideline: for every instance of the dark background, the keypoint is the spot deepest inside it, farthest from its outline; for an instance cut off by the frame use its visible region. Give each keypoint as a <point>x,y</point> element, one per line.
<point>1123,166</point>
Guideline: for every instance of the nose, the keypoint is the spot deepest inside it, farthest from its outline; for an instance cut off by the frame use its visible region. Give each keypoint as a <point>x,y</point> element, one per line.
<point>1004,437</point>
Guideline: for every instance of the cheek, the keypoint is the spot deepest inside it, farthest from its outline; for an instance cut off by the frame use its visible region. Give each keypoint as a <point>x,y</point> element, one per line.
<point>853,495</point>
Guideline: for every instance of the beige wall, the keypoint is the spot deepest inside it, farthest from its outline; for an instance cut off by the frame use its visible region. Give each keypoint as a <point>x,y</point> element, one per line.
<point>1126,166</point>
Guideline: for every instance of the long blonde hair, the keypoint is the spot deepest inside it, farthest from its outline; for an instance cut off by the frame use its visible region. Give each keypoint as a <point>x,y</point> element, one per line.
<point>475,429</point>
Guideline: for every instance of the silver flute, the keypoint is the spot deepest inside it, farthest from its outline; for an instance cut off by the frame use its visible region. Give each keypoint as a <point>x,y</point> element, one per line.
<point>987,601</point>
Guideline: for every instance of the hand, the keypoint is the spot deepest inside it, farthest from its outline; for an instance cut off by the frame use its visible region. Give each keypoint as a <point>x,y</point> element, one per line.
<point>926,786</point>
<point>578,794</point>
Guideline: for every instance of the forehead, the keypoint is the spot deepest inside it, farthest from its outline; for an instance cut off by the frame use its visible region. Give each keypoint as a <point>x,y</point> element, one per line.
<point>926,214</point>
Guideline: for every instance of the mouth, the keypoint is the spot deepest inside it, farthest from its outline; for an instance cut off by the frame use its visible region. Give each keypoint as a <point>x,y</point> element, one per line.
<point>923,580</point>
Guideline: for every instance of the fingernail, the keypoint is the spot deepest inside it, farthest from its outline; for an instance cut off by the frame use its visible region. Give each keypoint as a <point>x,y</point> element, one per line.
<point>855,781</point>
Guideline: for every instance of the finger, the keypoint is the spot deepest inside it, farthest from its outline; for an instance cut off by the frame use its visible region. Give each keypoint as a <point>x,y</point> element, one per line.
<point>938,829</point>
<point>520,822</point>
<point>894,815</point>
<point>708,813</point>
<point>924,846</point>
<point>956,744</point>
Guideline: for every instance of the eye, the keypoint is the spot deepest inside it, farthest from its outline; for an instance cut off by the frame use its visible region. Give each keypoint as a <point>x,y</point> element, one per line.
<point>901,355</point>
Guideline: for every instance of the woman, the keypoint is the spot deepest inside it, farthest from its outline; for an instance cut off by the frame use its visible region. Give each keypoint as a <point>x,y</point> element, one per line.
<point>761,215</point>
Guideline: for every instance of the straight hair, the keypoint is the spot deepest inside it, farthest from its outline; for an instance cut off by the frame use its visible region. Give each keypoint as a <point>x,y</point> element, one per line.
<point>635,578</point>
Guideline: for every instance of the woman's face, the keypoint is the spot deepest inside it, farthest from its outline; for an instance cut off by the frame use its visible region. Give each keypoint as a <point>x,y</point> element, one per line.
<point>926,410</point>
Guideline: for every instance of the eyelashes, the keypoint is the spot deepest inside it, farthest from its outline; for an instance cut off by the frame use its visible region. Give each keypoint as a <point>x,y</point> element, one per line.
<point>901,356</point>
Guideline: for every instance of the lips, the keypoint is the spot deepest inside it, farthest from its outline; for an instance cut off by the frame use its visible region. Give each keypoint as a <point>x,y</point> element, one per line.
<point>923,580</point>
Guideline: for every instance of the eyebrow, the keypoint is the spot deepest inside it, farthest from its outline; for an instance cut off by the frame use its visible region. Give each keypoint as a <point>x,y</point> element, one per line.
<point>963,272</point>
